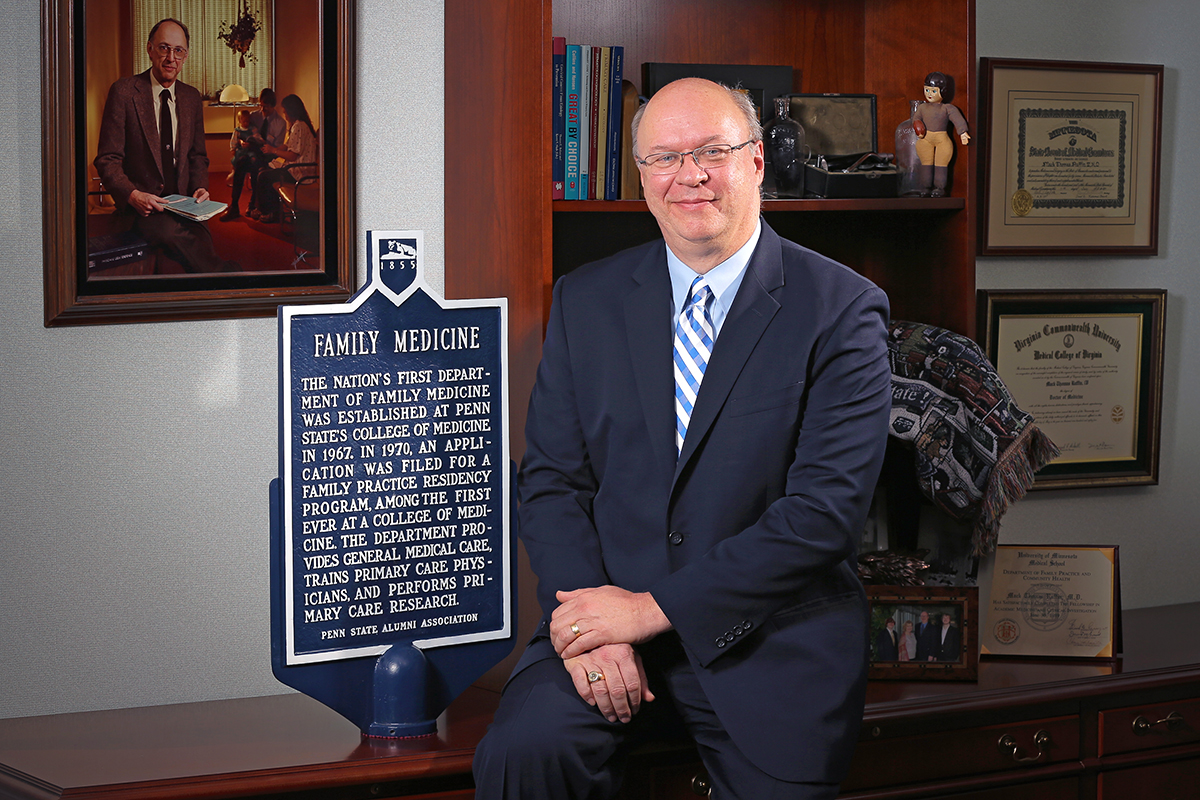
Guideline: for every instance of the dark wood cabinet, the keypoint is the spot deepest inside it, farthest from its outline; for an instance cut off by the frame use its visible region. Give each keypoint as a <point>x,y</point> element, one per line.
<point>1177,780</point>
<point>918,740</point>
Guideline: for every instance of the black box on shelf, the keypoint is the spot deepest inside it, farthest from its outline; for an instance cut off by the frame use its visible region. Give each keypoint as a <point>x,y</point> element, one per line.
<point>763,82</point>
<point>836,124</point>
<point>841,134</point>
<point>834,183</point>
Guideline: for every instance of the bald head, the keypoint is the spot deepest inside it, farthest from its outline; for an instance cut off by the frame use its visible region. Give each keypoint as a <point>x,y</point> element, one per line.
<point>705,213</point>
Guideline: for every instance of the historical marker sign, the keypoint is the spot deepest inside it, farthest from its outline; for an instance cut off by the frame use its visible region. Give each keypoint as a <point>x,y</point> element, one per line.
<point>395,466</point>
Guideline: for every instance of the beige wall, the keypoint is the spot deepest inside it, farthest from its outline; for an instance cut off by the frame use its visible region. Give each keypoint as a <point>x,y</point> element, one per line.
<point>108,59</point>
<point>297,50</point>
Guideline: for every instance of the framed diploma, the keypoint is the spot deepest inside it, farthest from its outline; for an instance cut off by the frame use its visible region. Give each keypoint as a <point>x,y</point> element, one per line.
<point>1054,601</point>
<point>1088,365</point>
<point>924,633</point>
<point>1072,155</point>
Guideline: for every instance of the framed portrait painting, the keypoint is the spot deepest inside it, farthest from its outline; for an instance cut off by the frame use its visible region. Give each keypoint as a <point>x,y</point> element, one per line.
<point>167,123</point>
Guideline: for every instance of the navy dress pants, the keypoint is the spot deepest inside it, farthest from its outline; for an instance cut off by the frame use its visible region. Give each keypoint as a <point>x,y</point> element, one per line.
<point>546,742</point>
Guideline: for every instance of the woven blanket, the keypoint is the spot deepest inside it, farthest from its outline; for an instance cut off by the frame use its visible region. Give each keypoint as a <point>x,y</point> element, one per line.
<point>976,452</point>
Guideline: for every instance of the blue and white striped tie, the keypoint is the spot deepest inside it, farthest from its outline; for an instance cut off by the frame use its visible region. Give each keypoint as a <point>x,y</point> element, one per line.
<point>693,348</point>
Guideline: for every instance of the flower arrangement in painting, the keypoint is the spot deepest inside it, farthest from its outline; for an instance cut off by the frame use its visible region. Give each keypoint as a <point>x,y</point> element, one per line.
<point>239,36</point>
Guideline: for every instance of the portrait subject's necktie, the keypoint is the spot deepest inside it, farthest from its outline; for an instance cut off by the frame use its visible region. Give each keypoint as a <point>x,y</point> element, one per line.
<point>166,133</point>
<point>693,348</point>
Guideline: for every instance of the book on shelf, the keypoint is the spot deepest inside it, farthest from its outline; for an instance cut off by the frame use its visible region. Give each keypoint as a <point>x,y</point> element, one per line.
<point>191,208</point>
<point>559,122</point>
<point>612,138</point>
<point>571,156</point>
<point>592,146</point>
<point>600,121</point>
<point>631,184</point>
<point>585,118</point>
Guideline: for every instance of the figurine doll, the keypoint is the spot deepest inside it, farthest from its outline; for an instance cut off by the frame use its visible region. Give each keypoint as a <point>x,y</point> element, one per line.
<point>935,148</point>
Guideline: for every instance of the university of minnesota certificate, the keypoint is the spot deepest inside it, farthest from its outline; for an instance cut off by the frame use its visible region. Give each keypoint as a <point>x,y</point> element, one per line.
<point>1052,601</point>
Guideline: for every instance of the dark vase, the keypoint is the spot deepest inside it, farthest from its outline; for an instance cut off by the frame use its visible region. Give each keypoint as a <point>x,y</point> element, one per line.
<point>907,163</point>
<point>784,139</point>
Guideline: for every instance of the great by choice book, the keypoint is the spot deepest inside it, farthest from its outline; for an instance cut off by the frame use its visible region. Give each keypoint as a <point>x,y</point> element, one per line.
<point>588,101</point>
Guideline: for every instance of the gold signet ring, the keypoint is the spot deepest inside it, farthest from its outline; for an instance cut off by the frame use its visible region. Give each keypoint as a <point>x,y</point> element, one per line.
<point>594,676</point>
<point>575,628</point>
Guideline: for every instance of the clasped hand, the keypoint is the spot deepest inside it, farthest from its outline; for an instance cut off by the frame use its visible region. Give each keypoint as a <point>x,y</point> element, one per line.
<point>609,621</point>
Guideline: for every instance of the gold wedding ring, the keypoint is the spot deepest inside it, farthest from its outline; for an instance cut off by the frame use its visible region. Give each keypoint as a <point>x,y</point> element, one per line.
<point>575,628</point>
<point>594,676</point>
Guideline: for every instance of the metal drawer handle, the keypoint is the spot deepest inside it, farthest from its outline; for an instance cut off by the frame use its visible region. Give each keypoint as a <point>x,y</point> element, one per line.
<point>1008,743</point>
<point>1172,721</point>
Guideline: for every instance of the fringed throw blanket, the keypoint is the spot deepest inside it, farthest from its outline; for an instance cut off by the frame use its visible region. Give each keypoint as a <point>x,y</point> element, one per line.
<point>976,451</point>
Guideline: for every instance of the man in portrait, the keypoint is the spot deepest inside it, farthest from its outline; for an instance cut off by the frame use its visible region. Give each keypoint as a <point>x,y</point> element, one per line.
<point>703,441</point>
<point>887,645</point>
<point>949,641</point>
<point>152,145</point>
<point>927,638</point>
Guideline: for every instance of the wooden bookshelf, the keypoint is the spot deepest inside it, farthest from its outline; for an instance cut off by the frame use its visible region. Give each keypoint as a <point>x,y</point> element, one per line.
<point>506,237</point>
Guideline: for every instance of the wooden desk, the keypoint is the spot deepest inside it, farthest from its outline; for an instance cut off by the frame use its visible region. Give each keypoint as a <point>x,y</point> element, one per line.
<point>918,739</point>
<point>260,746</point>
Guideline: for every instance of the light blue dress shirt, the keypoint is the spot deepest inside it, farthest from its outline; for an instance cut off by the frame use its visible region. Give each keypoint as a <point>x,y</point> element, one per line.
<point>724,280</point>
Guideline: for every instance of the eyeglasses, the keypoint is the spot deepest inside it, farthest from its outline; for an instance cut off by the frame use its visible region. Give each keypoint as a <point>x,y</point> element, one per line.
<point>165,50</point>
<point>710,156</point>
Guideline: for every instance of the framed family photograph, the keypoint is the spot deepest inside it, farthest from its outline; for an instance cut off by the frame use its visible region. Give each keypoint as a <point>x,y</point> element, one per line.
<point>1088,365</point>
<point>198,158</point>
<point>1072,156</point>
<point>924,633</point>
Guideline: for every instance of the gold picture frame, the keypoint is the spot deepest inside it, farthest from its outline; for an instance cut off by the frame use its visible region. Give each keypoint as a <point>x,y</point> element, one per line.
<point>1088,365</point>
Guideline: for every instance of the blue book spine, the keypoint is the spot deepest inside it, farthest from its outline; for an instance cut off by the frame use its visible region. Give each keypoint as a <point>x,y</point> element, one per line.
<point>559,121</point>
<point>573,120</point>
<point>612,176</point>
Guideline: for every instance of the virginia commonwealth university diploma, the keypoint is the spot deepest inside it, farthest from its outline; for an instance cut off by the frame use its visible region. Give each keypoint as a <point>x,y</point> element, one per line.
<point>1078,376</point>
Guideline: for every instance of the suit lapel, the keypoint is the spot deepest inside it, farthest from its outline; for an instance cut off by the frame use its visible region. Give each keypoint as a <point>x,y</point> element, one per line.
<point>648,328</point>
<point>143,101</point>
<point>752,310</point>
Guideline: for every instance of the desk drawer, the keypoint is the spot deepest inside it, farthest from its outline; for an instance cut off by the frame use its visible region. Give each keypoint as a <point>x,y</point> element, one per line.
<point>1125,730</point>
<point>935,756</point>
<point>1174,780</point>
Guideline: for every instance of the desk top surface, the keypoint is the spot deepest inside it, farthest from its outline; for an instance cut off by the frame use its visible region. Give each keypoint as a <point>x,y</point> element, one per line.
<point>263,744</point>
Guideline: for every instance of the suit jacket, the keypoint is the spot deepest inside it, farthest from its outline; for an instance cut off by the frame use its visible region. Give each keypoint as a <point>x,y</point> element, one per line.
<point>746,540</point>
<point>950,648</point>
<point>129,155</point>
<point>887,645</point>
<point>928,641</point>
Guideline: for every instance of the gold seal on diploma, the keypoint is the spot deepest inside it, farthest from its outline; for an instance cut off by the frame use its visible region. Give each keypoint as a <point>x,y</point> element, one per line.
<point>1022,202</point>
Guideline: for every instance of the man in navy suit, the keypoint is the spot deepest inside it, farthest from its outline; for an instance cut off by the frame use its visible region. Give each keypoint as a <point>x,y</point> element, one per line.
<point>138,164</point>
<point>887,648</point>
<point>927,639</point>
<point>707,580</point>
<point>949,641</point>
